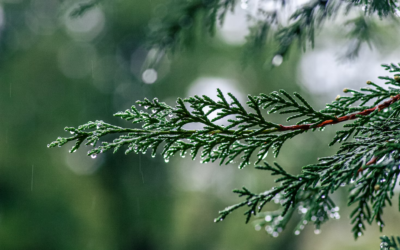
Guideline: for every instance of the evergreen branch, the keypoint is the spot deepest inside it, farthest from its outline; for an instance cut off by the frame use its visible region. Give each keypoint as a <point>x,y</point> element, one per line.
<point>303,28</point>
<point>381,7</point>
<point>218,142</point>
<point>369,164</point>
<point>177,29</point>
<point>248,133</point>
<point>84,7</point>
<point>362,30</point>
<point>390,243</point>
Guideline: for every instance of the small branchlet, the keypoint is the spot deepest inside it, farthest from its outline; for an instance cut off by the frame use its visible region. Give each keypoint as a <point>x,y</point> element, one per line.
<point>390,243</point>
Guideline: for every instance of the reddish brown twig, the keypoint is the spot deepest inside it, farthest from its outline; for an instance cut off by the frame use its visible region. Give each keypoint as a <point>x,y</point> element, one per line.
<point>342,118</point>
<point>370,162</point>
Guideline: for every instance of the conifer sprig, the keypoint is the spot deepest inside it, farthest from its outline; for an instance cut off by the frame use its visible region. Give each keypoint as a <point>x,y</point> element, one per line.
<point>390,243</point>
<point>368,165</point>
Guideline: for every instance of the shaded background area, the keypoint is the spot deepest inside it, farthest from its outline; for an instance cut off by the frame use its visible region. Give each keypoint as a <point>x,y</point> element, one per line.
<point>58,71</point>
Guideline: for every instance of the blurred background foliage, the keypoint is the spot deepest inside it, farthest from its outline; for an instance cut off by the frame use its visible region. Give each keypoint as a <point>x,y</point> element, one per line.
<point>58,71</point>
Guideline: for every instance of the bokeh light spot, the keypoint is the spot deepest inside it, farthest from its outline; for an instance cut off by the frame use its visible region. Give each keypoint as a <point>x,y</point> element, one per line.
<point>149,76</point>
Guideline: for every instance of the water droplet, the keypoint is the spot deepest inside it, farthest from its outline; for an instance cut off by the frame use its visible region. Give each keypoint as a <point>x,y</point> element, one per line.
<point>268,218</point>
<point>170,115</point>
<point>154,111</point>
<point>149,76</point>
<point>313,218</point>
<point>277,60</point>
<point>166,160</point>
<point>275,234</point>
<point>360,225</point>
<point>48,145</point>
<point>323,196</point>
<point>258,227</point>
<point>146,107</point>
<point>93,156</point>
<point>359,234</point>
<point>72,132</point>
<point>317,231</point>
<point>297,232</point>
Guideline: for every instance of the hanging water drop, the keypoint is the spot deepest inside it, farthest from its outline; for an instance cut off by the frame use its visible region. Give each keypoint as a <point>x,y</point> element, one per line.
<point>297,232</point>
<point>93,156</point>
<point>277,60</point>
<point>317,231</point>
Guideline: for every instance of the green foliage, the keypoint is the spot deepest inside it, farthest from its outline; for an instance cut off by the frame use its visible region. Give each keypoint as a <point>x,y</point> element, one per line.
<point>390,243</point>
<point>368,165</point>
<point>177,29</point>
<point>362,31</point>
<point>84,7</point>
